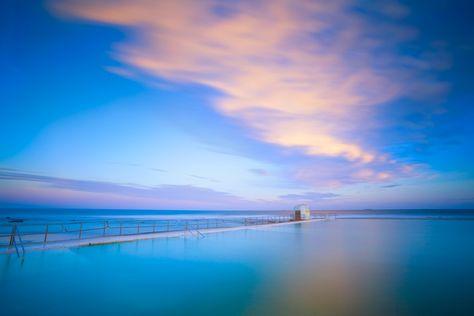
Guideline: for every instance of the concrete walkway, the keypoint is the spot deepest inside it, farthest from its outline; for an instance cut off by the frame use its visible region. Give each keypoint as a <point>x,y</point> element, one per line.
<point>134,237</point>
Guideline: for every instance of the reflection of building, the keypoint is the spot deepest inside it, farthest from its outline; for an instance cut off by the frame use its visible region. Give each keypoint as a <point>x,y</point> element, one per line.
<point>302,212</point>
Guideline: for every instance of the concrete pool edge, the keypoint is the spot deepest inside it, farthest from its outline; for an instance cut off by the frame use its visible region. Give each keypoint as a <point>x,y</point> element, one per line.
<point>129,238</point>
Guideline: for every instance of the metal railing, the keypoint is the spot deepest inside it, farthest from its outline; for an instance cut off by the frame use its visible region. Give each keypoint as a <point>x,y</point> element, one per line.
<point>45,233</point>
<point>15,233</point>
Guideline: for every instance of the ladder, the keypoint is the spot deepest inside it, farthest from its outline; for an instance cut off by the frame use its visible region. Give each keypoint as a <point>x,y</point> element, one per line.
<point>13,242</point>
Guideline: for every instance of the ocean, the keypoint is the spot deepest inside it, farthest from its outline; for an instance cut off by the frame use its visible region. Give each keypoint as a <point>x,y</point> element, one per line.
<point>368,262</point>
<point>58,214</point>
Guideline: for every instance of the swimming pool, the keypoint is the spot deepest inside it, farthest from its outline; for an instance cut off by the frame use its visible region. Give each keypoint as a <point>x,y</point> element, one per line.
<point>339,267</point>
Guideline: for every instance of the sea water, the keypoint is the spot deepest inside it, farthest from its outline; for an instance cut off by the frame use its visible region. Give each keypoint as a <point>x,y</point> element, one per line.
<point>347,266</point>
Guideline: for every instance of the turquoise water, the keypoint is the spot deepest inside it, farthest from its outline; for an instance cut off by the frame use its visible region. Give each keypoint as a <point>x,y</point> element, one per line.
<point>340,267</point>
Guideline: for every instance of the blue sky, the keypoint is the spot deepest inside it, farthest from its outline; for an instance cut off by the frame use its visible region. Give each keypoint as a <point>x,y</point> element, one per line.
<point>236,105</point>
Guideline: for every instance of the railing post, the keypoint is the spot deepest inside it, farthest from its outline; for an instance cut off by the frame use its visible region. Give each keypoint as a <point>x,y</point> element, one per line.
<point>154,226</point>
<point>80,231</point>
<point>45,235</point>
<point>120,231</point>
<point>138,228</point>
<point>21,241</point>
<point>168,226</point>
<point>12,236</point>
<point>103,232</point>
<point>186,225</point>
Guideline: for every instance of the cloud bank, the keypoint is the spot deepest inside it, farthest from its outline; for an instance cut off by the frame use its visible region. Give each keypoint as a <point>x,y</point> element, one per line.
<point>167,195</point>
<point>307,76</point>
<point>78,192</point>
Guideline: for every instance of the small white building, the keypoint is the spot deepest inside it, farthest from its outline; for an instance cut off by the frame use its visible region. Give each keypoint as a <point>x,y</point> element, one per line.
<point>302,212</point>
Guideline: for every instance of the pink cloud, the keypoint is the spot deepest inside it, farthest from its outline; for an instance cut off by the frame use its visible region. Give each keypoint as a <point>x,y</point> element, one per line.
<point>303,75</point>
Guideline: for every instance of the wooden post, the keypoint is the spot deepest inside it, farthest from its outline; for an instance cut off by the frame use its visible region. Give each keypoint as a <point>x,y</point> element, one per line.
<point>80,231</point>
<point>45,235</point>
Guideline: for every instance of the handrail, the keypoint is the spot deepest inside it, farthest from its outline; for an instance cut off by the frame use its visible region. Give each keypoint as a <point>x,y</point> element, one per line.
<point>53,232</point>
<point>13,242</point>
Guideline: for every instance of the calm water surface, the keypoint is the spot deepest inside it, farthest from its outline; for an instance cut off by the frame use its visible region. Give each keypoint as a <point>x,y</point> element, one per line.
<point>340,267</point>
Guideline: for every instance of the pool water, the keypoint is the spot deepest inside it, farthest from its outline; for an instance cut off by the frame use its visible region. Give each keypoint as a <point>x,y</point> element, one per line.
<point>339,267</point>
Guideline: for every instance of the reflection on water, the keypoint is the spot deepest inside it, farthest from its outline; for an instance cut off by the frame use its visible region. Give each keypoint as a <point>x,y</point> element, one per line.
<point>342,267</point>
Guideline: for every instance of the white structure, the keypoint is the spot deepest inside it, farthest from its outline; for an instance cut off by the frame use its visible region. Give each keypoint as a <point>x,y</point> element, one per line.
<point>302,212</point>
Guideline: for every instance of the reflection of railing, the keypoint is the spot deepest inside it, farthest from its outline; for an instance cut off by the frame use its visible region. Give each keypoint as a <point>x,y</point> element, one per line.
<point>34,234</point>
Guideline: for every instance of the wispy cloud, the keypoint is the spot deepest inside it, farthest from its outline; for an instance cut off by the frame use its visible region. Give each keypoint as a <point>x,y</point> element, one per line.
<point>57,190</point>
<point>304,75</point>
<point>260,172</point>
<point>158,169</point>
<point>308,196</point>
<point>388,186</point>
<point>203,178</point>
<point>137,165</point>
<point>161,195</point>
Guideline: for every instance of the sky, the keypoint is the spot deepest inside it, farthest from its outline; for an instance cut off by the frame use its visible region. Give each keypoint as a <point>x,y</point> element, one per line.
<point>237,105</point>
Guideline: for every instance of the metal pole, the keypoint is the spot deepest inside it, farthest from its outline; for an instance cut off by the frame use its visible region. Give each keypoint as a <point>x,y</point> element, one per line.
<point>12,236</point>
<point>80,231</point>
<point>45,235</point>
<point>21,241</point>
